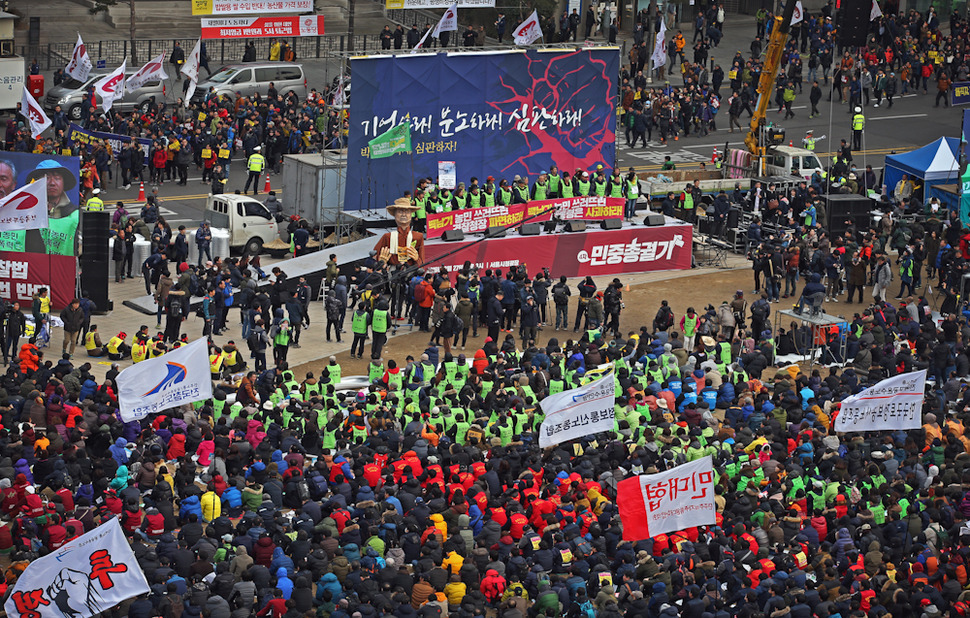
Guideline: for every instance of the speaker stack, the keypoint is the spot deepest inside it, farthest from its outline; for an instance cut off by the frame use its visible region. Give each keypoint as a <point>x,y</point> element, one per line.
<point>94,258</point>
<point>575,226</point>
<point>842,207</point>
<point>530,229</point>
<point>853,22</point>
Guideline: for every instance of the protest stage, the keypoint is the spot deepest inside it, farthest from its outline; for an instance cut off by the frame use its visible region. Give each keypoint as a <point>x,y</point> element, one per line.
<point>633,248</point>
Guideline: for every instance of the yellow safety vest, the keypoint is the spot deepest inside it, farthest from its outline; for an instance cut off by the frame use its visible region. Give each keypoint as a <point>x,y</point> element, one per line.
<point>256,162</point>
<point>858,122</point>
<point>229,358</point>
<point>810,143</point>
<point>113,344</point>
<point>45,304</point>
<point>215,363</point>
<point>95,204</point>
<point>89,341</point>
<point>139,352</point>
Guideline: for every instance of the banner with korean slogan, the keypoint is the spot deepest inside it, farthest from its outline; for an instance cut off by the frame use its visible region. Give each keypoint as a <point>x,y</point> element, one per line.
<point>894,403</point>
<point>394,140</point>
<point>652,504</point>
<point>86,577</point>
<point>579,412</point>
<point>168,381</point>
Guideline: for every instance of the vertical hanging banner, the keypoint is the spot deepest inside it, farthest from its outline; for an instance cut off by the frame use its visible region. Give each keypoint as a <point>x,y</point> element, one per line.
<point>893,403</point>
<point>652,504</point>
<point>85,577</point>
<point>501,114</point>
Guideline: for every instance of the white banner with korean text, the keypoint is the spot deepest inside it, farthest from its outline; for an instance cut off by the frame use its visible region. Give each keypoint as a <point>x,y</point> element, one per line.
<point>168,381</point>
<point>578,412</point>
<point>894,403</point>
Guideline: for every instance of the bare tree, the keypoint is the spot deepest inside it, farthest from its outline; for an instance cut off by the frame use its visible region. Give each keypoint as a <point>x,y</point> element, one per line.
<point>101,6</point>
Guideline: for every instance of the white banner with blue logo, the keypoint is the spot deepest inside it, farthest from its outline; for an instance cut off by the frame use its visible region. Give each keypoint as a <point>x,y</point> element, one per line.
<point>579,412</point>
<point>177,377</point>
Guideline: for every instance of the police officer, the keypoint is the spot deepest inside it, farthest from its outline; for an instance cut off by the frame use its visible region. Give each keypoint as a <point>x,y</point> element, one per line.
<point>858,124</point>
<point>255,165</point>
<point>809,140</point>
<point>94,203</point>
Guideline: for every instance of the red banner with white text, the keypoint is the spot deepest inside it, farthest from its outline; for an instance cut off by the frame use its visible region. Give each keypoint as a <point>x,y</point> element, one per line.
<point>594,253</point>
<point>477,220</point>
<point>22,274</point>
<point>261,27</point>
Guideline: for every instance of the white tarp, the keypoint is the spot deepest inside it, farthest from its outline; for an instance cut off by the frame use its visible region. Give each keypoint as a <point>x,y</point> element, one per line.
<point>578,412</point>
<point>894,403</point>
<point>168,381</point>
<point>85,577</point>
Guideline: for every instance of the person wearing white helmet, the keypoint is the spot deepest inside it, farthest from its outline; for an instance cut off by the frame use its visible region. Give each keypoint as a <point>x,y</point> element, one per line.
<point>858,126</point>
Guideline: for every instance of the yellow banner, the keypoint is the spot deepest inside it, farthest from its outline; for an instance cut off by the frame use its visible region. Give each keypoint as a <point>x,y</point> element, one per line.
<point>201,7</point>
<point>223,153</point>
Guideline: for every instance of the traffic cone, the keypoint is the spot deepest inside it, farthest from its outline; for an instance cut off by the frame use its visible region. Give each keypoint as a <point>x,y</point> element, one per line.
<point>141,192</point>
<point>790,143</point>
<point>266,188</point>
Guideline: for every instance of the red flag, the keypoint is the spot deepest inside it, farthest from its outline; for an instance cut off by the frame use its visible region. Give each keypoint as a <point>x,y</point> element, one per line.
<point>633,511</point>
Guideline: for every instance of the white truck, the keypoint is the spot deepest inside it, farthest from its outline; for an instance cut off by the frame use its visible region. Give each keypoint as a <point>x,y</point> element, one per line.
<point>250,224</point>
<point>779,161</point>
<point>12,82</point>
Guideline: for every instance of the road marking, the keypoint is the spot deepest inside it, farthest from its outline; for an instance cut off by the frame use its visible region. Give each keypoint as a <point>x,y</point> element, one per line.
<point>895,117</point>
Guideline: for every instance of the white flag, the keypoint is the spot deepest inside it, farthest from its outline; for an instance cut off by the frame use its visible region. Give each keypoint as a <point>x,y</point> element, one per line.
<point>154,69</point>
<point>875,12</point>
<point>659,56</point>
<point>893,403</point>
<point>578,412</point>
<point>85,577</point>
<point>168,381</point>
<point>679,498</point>
<point>529,30</point>
<point>448,21</point>
<point>338,96</point>
<point>799,13</point>
<point>191,70</point>
<point>80,64</point>
<point>111,87</point>
<point>25,208</point>
<point>420,44</point>
<point>34,113</point>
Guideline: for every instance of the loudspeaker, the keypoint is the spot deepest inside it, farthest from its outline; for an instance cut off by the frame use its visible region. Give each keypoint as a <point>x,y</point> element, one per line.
<point>733,217</point>
<point>653,220</point>
<point>452,235</point>
<point>611,224</point>
<point>853,22</point>
<point>842,207</point>
<point>530,229</point>
<point>549,227</point>
<point>495,231</point>
<point>94,257</point>
<point>575,226</point>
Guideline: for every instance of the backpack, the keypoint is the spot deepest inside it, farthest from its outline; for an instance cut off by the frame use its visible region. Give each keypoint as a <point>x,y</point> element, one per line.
<point>586,609</point>
<point>253,341</point>
<point>759,311</point>
<point>559,295</point>
<point>303,490</point>
<point>583,548</point>
<point>459,325</point>
<point>175,310</point>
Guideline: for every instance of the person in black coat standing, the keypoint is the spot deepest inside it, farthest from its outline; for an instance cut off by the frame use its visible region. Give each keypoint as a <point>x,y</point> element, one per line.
<point>494,314</point>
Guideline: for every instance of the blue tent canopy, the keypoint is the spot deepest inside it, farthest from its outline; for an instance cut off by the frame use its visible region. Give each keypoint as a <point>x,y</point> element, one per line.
<point>935,163</point>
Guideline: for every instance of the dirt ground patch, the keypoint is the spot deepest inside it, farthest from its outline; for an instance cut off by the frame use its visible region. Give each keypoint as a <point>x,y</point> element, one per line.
<point>641,301</point>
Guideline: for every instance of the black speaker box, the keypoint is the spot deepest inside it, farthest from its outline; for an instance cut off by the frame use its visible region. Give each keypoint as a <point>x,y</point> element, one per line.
<point>452,235</point>
<point>530,229</point>
<point>496,231</point>
<point>653,220</point>
<point>575,226</point>
<point>94,258</point>
<point>611,224</point>
<point>843,207</point>
<point>549,226</point>
<point>853,21</point>
<point>733,218</point>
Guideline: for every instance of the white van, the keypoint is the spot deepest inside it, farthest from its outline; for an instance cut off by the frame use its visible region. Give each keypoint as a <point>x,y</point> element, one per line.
<point>251,225</point>
<point>788,160</point>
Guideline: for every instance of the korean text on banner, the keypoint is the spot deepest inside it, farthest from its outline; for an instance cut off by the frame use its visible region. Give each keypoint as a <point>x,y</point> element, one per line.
<point>474,220</point>
<point>960,93</point>
<point>239,7</point>
<point>86,139</point>
<point>439,4</point>
<point>177,377</point>
<point>261,27</point>
<point>578,412</point>
<point>652,504</point>
<point>393,141</point>
<point>85,577</point>
<point>894,403</point>
<point>25,208</point>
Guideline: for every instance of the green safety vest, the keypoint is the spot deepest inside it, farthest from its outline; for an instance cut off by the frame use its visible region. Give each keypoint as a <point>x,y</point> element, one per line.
<point>858,122</point>
<point>583,187</point>
<point>489,199</point>
<point>95,204</point>
<point>422,212</point>
<point>379,321</point>
<point>690,325</point>
<point>688,201</point>
<point>567,189</point>
<point>616,189</point>
<point>506,196</point>
<point>554,182</point>
<point>725,352</point>
<point>282,337</point>
<point>461,201</point>
<point>522,192</point>
<point>632,189</point>
<point>256,162</point>
<point>436,205</point>
<point>809,143</point>
<point>555,386</point>
<point>600,188</point>
<point>359,323</point>
<point>395,380</point>
<point>360,434</point>
<point>375,372</point>
<point>312,390</point>
<point>445,195</point>
<point>474,201</point>
<point>335,373</point>
<point>657,375</point>
<point>540,191</point>
<point>451,370</point>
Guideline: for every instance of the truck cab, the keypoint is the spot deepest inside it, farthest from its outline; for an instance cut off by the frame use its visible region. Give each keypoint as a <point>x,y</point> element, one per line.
<point>249,222</point>
<point>791,161</point>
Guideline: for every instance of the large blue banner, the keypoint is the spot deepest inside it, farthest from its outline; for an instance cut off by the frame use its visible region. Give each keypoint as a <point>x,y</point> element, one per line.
<point>493,114</point>
<point>87,139</point>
